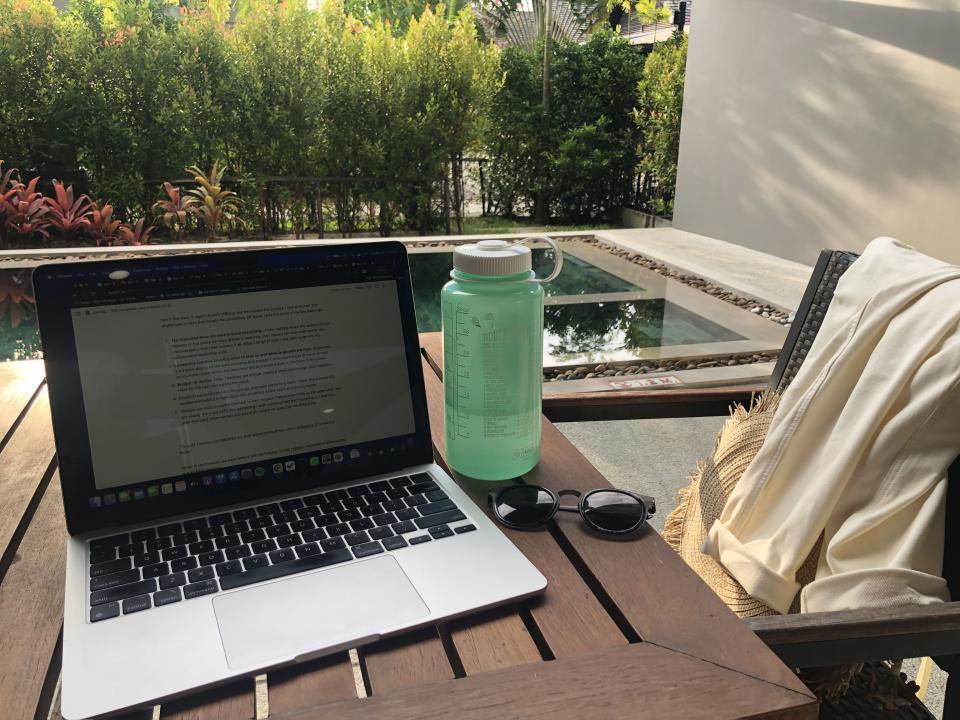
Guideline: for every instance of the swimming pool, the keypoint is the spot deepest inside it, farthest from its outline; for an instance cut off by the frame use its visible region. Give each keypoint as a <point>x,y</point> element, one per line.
<point>601,308</point>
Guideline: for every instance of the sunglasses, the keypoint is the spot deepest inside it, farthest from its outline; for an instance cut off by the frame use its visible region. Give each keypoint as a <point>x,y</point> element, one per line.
<point>526,507</point>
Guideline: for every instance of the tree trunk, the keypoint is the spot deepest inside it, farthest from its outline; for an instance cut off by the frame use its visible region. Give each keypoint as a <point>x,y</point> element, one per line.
<point>541,201</point>
<point>446,203</point>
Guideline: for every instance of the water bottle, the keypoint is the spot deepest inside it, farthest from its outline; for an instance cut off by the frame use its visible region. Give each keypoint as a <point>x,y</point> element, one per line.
<point>492,311</point>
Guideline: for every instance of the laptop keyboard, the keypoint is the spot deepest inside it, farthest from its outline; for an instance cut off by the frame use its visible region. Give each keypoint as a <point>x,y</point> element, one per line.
<point>178,561</point>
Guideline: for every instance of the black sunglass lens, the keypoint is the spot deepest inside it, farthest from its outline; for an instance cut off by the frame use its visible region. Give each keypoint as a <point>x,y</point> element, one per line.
<point>525,506</point>
<point>613,511</point>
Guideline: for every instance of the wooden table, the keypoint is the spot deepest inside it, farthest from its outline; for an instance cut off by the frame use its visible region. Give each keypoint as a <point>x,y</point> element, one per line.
<point>624,630</point>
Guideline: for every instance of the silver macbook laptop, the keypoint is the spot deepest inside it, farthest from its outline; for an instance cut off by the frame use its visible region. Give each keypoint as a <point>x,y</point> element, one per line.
<point>247,473</point>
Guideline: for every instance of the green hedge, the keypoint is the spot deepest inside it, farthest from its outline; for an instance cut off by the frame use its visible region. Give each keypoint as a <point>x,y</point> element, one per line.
<point>118,95</point>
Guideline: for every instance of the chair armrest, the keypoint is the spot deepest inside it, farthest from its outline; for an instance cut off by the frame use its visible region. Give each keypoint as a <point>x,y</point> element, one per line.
<point>849,636</point>
<point>646,404</point>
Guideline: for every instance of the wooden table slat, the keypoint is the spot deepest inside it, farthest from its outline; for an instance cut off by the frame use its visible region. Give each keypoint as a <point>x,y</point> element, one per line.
<point>24,461</point>
<point>322,680</point>
<point>235,701</point>
<point>633,681</point>
<point>492,640</point>
<point>408,660</point>
<point>31,608</point>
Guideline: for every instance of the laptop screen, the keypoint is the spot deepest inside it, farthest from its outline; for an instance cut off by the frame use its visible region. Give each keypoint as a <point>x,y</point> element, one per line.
<point>208,378</point>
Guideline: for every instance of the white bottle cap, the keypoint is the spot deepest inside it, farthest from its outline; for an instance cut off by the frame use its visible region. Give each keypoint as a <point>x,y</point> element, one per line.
<point>493,257</point>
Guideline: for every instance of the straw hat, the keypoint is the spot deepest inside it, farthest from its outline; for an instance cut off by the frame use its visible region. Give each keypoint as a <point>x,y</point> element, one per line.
<point>702,501</point>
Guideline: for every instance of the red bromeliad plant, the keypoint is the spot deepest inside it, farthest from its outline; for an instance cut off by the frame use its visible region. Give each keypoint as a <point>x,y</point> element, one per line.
<point>26,211</point>
<point>175,210</point>
<point>16,296</point>
<point>103,229</point>
<point>68,217</point>
<point>136,235</point>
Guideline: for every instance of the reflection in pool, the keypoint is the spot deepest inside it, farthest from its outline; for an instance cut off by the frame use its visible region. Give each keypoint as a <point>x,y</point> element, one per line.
<point>626,325</point>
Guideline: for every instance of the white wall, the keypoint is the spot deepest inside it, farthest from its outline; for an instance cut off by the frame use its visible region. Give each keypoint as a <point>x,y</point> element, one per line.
<point>822,123</point>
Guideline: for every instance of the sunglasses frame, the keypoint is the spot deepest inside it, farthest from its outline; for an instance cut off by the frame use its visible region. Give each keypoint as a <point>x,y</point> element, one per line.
<point>648,504</point>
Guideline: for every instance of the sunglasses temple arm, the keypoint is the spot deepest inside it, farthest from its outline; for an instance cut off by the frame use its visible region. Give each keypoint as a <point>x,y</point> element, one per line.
<point>650,503</point>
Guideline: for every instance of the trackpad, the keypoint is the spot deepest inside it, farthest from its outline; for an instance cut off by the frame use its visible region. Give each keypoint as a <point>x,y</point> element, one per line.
<point>306,613</point>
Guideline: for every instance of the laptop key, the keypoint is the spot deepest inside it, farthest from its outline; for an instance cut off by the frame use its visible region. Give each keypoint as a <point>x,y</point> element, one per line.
<point>275,531</point>
<point>337,529</point>
<point>143,535</point>
<point>415,500</point>
<point>401,481</point>
<point>419,539</point>
<point>136,604</point>
<point>169,529</point>
<point>187,563</point>
<point>406,526</point>
<point>331,544</point>
<point>104,612</point>
<point>258,523</point>
<point>379,533</point>
<point>147,558</point>
<point>253,535</point>
<point>281,556</point>
<point>353,503</point>
<point>396,493</point>
<point>155,571</point>
<point>108,568</point>
<point>209,533</point>
<point>165,597</point>
<point>314,499</point>
<point>434,495</point>
<point>172,580</point>
<point>210,558</point>
<point>421,478</point>
<point>307,549</point>
<point>408,514</point>
<point>220,519</point>
<point>367,549</point>
<point>436,507</point>
<point>324,520</point>
<point>236,553</point>
<point>272,572</point>
<point>291,504</point>
<point>312,535</point>
<point>204,587</point>
<point>123,577</point>
<point>185,538</point>
<point>228,541</point>
<point>370,510</point>
<point>262,546</point>
<point>177,552</point>
<point>131,549</point>
<point>255,561</point>
<point>348,515</point>
<point>159,543</point>
<point>236,527</point>
<point>308,512</point>
<point>394,543</point>
<point>361,524</point>
<point>301,525</point>
<point>201,547</point>
<point>337,495</point>
<point>230,567</point>
<point>201,573</point>
<point>393,505</point>
<point>464,529</point>
<point>358,491</point>
<point>441,531</point>
<point>102,555</point>
<point>245,514</point>
<point>384,519</point>
<point>380,485</point>
<point>286,541</point>
<point>122,592</point>
<point>194,524</point>
<point>268,509</point>
<point>356,538</point>
<point>375,498</point>
<point>284,517</point>
<point>112,541</point>
<point>439,519</point>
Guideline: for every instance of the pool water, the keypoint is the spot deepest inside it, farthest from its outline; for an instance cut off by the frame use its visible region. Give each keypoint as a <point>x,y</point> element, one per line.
<point>589,311</point>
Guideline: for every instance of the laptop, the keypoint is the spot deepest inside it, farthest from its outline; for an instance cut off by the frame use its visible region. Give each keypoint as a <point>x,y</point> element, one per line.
<point>247,469</point>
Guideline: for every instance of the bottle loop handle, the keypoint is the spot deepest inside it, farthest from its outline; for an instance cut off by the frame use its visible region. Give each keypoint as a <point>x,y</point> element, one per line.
<point>557,255</point>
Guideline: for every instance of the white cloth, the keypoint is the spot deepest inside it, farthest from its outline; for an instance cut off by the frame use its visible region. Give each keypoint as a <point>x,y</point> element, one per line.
<point>858,448</point>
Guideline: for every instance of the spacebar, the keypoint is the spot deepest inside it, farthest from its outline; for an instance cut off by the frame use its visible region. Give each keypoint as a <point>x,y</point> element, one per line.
<point>291,567</point>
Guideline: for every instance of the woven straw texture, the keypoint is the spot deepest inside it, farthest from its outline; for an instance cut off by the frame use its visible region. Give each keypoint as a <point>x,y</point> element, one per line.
<point>702,501</point>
